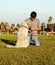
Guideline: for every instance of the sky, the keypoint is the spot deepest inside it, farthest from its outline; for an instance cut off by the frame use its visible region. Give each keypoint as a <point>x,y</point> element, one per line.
<point>16,11</point>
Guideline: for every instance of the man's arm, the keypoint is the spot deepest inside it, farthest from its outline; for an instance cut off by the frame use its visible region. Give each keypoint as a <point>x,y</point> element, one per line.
<point>36,29</point>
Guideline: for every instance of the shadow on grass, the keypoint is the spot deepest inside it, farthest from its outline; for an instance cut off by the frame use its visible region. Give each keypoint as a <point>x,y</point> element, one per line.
<point>10,42</point>
<point>32,42</point>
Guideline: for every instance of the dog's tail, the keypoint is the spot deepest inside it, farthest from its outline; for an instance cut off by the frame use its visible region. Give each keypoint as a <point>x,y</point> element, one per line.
<point>10,46</point>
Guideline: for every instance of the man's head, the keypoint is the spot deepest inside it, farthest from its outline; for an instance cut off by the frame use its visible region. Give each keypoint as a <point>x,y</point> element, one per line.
<point>24,24</point>
<point>33,14</point>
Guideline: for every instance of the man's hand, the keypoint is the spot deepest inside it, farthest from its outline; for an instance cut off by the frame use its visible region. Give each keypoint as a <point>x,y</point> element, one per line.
<point>30,30</point>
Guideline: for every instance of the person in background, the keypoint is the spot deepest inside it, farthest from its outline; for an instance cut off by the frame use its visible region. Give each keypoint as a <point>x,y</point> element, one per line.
<point>34,27</point>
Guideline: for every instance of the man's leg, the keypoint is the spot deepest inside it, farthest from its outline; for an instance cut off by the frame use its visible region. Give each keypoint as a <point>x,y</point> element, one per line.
<point>36,40</point>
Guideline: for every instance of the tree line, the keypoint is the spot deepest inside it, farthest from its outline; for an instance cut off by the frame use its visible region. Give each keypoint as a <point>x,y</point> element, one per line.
<point>5,27</point>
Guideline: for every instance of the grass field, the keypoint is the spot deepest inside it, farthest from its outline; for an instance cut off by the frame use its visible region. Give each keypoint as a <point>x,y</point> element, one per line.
<point>32,55</point>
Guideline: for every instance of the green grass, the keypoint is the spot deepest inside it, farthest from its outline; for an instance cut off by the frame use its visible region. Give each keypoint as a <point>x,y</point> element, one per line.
<point>32,55</point>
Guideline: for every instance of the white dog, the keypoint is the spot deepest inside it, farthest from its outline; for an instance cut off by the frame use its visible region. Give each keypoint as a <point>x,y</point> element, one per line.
<point>22,37</point>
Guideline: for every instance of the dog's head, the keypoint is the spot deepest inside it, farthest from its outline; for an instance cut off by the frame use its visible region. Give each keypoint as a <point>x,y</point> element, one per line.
<point>25,24</point>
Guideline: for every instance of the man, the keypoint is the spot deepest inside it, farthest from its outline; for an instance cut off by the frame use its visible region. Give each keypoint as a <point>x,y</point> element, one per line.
<point>34,27</point>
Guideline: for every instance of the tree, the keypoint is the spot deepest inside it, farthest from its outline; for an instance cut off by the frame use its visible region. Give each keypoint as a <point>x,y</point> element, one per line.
<point>12,25</point>
<point>7,25</point>
<point>17,26</point>
<point>12,28</point>
<point>2,26</point>
<point>43,26</point>
<point>50,19</point>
